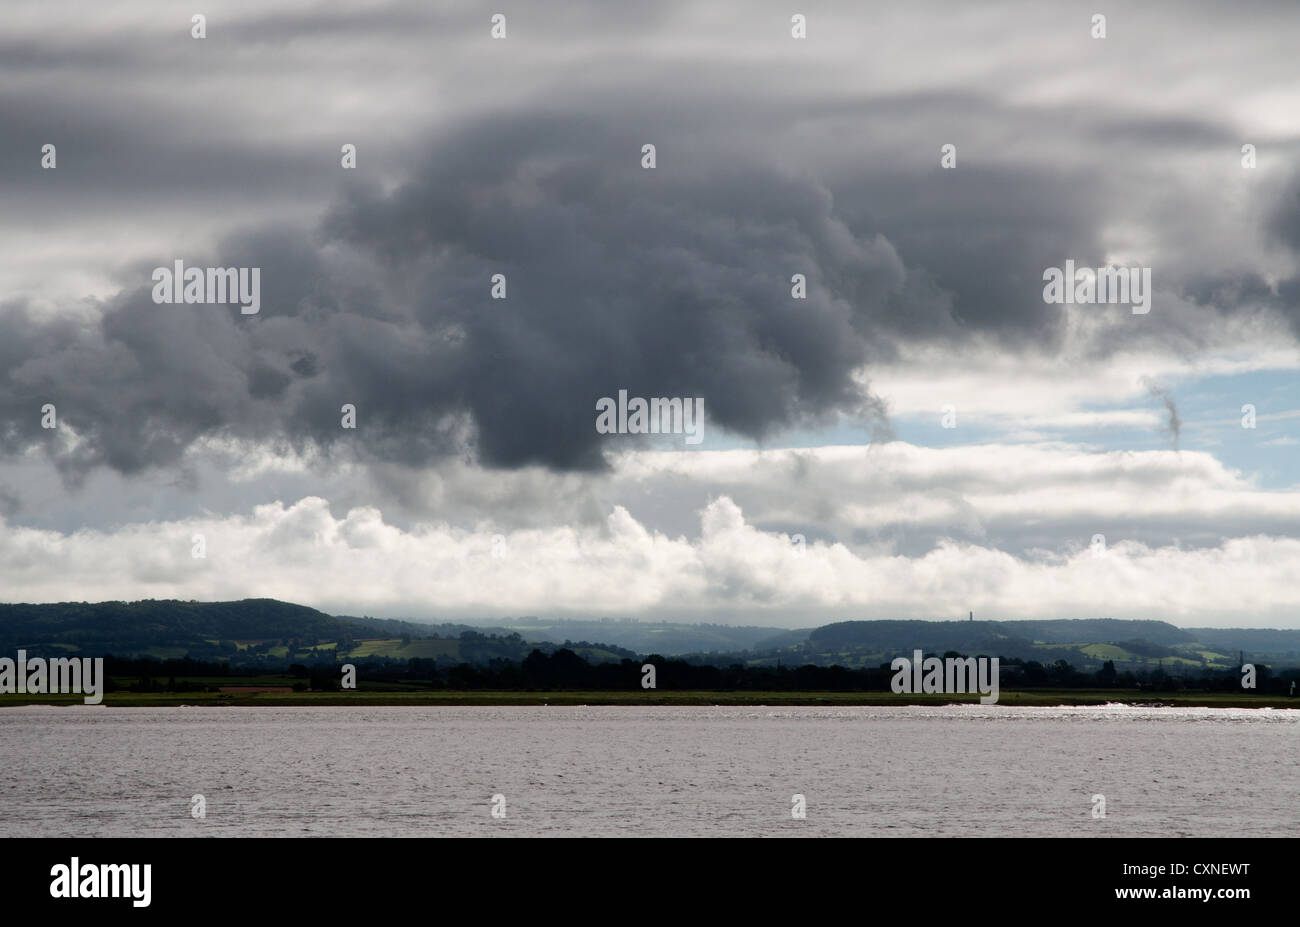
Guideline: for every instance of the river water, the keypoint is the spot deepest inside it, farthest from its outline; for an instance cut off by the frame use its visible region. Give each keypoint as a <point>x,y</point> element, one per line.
<point>681,771</point>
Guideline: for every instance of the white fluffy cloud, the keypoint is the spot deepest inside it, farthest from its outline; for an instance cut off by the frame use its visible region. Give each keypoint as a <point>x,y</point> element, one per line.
<point>735,564</point>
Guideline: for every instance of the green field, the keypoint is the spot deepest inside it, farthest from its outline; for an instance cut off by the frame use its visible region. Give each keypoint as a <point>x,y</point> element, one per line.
<point>426,697</point>
<point>1120,655</point>
<point>426,648</point>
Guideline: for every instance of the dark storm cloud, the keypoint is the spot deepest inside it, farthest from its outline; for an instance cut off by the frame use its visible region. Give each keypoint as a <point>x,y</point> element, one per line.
<point>1284,224</point>
<point>673,282</point>
<point>669,282</point>
<point>983,234</point>
<point>1244,290</point>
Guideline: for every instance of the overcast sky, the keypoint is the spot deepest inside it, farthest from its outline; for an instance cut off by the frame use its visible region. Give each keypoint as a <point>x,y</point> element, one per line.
<point>1096,463</point>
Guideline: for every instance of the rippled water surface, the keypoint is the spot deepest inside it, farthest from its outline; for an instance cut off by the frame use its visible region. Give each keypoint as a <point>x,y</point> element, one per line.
<point>957,770</point>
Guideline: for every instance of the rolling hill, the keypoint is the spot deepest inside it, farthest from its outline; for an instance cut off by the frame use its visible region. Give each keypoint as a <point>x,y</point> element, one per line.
<point>268,632</point>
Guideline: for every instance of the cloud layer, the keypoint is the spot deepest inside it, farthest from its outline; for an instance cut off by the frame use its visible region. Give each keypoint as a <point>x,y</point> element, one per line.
<point>775,157</point>
<point>886,532</point>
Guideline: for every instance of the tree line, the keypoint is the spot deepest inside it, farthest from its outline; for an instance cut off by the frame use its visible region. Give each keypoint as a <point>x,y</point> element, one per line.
<point>564,669</point>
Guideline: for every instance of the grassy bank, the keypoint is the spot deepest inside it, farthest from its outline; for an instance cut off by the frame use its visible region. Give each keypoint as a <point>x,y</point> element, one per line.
<point>430,698</point>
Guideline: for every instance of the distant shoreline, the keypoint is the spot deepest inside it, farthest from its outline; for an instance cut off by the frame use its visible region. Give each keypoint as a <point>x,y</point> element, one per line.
<point>744,699</point>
